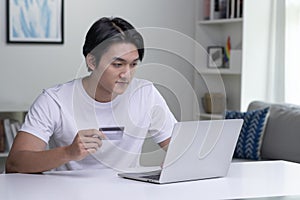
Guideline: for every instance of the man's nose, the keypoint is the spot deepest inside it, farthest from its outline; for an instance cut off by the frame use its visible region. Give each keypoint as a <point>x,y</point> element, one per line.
<point>126,71</point>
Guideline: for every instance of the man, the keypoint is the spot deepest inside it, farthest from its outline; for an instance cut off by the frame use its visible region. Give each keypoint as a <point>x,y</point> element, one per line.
<point>67,117</point>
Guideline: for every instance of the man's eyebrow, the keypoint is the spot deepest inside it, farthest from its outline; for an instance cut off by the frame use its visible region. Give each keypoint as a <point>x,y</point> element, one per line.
<point>123,60</point>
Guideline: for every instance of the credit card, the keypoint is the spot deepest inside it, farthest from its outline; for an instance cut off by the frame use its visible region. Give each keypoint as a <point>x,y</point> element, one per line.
<point>113,133</point>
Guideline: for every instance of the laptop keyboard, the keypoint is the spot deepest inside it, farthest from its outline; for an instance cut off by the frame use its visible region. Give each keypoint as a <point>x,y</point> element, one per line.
<point>153,177</point>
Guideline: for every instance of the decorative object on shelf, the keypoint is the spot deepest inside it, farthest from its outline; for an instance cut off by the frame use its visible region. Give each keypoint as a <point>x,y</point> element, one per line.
<point>214,103</point>
<point>234,8</point>
<point>215,56</point>
<point>211,9</point>
<point>227,52</point>
<point>34,22</point>
<point>206,9</point>
<point>222,9</point>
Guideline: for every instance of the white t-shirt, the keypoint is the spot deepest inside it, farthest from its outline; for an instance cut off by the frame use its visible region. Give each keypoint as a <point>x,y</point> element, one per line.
<point>61,111</point>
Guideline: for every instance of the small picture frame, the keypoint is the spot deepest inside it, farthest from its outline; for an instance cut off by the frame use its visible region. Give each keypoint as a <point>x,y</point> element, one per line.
<point>35,21</point>
<point>215,56</point>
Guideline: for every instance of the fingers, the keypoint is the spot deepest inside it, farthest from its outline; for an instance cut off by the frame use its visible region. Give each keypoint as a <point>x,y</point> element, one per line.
<point>85,143</point>
<point>91,139</point>
<point>91,133</point>
<point>92,144</point>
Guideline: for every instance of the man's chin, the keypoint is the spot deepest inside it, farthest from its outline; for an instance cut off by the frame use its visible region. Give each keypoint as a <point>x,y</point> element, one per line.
<point>119,91</point>
<point>120,88</point>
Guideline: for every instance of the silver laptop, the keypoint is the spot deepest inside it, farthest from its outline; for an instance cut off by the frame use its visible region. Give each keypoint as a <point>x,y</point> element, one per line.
<point>197,150</point>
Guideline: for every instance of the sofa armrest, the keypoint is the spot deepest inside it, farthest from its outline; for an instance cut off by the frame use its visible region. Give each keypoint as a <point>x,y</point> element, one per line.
<point>282,133</point>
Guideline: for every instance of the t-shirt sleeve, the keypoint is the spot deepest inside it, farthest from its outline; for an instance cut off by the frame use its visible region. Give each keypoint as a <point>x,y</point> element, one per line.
<point>42,117</point>
<point>162,119</point>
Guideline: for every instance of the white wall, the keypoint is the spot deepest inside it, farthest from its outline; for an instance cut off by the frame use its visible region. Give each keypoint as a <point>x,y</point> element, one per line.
<point>26,69</point>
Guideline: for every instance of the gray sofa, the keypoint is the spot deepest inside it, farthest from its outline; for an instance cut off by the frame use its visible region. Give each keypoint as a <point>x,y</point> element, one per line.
<point>281,139</point>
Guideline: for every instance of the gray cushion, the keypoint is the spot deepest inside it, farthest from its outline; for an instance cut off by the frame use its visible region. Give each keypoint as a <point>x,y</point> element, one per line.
<point>282,133</point>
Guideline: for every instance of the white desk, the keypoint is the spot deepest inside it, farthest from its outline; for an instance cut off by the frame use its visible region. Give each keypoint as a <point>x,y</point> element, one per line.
<point>244,180</point>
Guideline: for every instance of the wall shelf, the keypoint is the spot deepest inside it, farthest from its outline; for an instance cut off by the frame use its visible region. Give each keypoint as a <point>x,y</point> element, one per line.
<point>215,32</point>
<point>221,71</point>
<point>220,21</point>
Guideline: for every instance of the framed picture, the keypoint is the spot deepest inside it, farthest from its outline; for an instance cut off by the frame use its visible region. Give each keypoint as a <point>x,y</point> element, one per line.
<point>35,21</point>
<point>215,56</point>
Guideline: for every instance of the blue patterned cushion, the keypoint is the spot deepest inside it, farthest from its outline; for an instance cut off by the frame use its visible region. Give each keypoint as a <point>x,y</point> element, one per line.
<point>250,139</point>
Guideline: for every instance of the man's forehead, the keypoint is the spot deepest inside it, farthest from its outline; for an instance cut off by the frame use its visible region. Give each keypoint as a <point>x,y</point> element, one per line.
<point>122,51</point>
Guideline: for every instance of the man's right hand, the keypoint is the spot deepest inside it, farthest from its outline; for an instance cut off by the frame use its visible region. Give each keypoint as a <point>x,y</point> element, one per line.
<point>85,142</point>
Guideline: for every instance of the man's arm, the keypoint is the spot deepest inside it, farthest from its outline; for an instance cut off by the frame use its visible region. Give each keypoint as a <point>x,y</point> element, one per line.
<point>164,144</point>
<point>29,154</point>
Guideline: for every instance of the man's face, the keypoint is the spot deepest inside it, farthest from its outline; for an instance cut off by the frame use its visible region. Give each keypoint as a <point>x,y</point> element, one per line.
<point>116,68</point>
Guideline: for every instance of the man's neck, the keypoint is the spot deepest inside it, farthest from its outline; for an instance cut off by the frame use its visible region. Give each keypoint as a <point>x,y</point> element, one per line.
<point>93,90</point>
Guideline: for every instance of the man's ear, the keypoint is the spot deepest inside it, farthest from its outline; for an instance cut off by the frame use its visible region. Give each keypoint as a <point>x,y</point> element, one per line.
<point>91,62</point>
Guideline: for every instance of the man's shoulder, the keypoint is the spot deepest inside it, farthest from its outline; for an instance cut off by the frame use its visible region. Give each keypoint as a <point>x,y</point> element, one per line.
<point>62,87</point>
<point>60,91</point>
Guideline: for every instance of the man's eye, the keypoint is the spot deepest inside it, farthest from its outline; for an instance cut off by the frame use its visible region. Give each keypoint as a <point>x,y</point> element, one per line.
<point>117,64</point>
<point>134,64</point>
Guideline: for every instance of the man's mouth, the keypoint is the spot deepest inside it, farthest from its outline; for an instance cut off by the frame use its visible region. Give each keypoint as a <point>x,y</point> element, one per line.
<point>123,82</point>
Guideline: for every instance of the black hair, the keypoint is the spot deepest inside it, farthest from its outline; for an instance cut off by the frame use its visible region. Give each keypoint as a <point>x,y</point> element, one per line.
<point>107,31</point>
